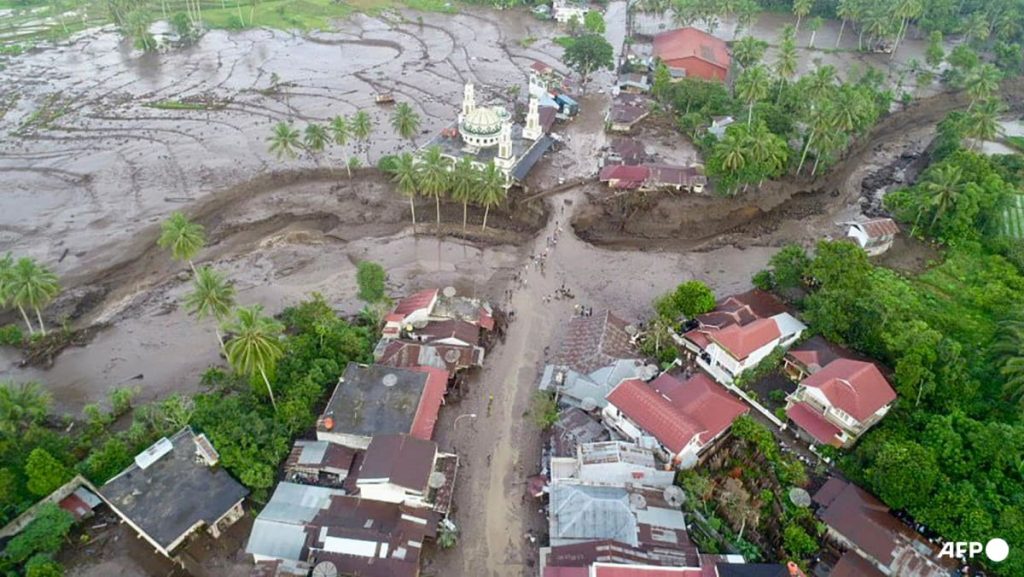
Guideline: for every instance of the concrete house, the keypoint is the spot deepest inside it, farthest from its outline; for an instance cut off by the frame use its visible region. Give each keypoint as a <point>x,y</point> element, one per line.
<point>615,463</point>
<point>741,331</point>
<point>838,403</point>
<point>372,400</point>
<point>689,52</point>
<point>677,419</point>
<point>399,469</point>
<point>174,489</point>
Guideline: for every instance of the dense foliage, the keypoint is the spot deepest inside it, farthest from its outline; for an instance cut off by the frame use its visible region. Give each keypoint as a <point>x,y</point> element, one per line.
<point>688,300</point>
<point>950,453</point>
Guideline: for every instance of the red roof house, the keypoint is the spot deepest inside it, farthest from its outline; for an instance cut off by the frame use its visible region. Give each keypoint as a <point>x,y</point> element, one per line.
<point>694,52</point>
<point>841,401</point>
<point>683,416</point>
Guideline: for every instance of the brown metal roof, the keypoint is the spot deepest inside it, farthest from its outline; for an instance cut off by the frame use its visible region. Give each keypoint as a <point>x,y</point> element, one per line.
<point>403,460</point>
<point>880,227</point>
<point>853,565</point>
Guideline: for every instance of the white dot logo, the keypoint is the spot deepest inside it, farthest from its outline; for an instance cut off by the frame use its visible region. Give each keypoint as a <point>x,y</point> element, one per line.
<point>997,550</point>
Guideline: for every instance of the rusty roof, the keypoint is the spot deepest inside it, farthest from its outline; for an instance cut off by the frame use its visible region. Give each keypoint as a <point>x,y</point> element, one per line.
<point>691,43</point>
<point>853,565</point>
<point>593,342</point>
<point>879,227</point>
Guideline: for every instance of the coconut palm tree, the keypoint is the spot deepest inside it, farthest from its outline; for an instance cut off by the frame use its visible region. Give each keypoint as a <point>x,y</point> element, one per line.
<point>255,345</point>
<point>746,14</point>
<point>982,81</point>
<point>752,86</point>
<point>982,123</point>
<point>284,140</point>
<point>905,11</point>
<point>801,8</point>
<point>814,24</point>
<point>785,64</point>
<point>733,149</point>
<point>22,405</point>
<point>405,176</point>
<point>820,82</point>
<point>341,131</point>
<point>822,119</point>
<point>492,189</point>
<point>943,186</point>
<point>433,177</point>
<point>406,122</point>
<point>846,10</point>
<point>32,286</point>
<point>766,150</point>
<point>362,129</point>
<point>182,237</point>
<point>748,51</point>
<point>211,296</point>
<point>465,177</point>
<point>315,139</point>
<point>1009,347</point>
<point>6,268</point>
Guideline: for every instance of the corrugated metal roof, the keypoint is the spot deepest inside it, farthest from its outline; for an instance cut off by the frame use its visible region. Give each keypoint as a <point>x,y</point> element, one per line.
<point>585,513</point>
<point>280,529</point>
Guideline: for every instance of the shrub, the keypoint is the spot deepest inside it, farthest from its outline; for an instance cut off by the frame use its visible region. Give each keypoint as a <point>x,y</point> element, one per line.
<point>11,336</point>
<point>689,299</point>
<point>45,473</point>
<point>43,535</point>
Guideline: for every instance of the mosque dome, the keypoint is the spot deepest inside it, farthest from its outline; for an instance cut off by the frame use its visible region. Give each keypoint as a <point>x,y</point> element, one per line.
<point>482,121</point>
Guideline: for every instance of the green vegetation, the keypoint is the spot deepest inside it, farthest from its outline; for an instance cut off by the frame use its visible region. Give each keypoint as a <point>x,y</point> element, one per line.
<point>688,300</point>
<point>544,409</point>
<point>588,53</point>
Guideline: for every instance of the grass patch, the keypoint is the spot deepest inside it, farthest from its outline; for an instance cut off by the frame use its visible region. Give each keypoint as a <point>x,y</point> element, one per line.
<point>527,42</point>
<point>564,41</point>
<point>1016,142</point>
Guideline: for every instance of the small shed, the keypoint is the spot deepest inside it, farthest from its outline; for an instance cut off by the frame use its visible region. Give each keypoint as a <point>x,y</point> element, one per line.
<point>874,236</point>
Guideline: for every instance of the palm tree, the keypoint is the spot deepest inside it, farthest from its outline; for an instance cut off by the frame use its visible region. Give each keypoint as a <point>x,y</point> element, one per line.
<point>752,86</point>
<point>362,128</point>
<point>845,10</point>
<point>464,183</point>
<point>32,286</point>
<point>1009,347</point>
<point>492,189</point>
<point>982,123</point>
<point>748,51</point>
<point>733,149</point>
<point>822,119</point>
<point>211,296</point>
<point>801,8</point>
<point>746,14</point>
<point>255,345</point>
<point>182,237</point>
<point>982,81</point>
<point>905,11</point>
<point>766,150</point>
<point>405,176</point>
<point>406,122</point>
<point>22,405</point>
<point>284,140</point>
<point>316,139</point>
<point>785,64</point>
<point>433,177</point>
<point>943,186</point>
<point>341,130</point>
<point>820,82</point>
<point>814,24</point>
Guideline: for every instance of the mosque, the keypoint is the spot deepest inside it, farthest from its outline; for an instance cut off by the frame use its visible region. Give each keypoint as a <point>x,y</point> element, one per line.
<point>489,134</point>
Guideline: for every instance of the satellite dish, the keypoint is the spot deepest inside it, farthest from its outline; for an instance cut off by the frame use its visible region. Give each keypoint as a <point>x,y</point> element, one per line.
<point>588,404</point>
<point>451,356</point>
<point>436,480</point>
<point>631,330</point>
<point>325,569</point>
<point>800,497</point>
<point>674,496</point>
<point>637,501</point>
<point>449,291</point>
<point>390,380</point>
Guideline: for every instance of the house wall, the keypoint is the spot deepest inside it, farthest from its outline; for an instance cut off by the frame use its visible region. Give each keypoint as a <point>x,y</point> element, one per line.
<point>852,429</point>
<point>389,493</point>
<point>620,473</point>
<point>695,67</point>
<point>736,367</point>
<point>344,439</point>
<point>621,423</point>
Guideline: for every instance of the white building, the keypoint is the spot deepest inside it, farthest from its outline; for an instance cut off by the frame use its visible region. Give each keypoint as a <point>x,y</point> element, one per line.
<point>874,236</point>
<point>565,10</point>
<point>615,463</point>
